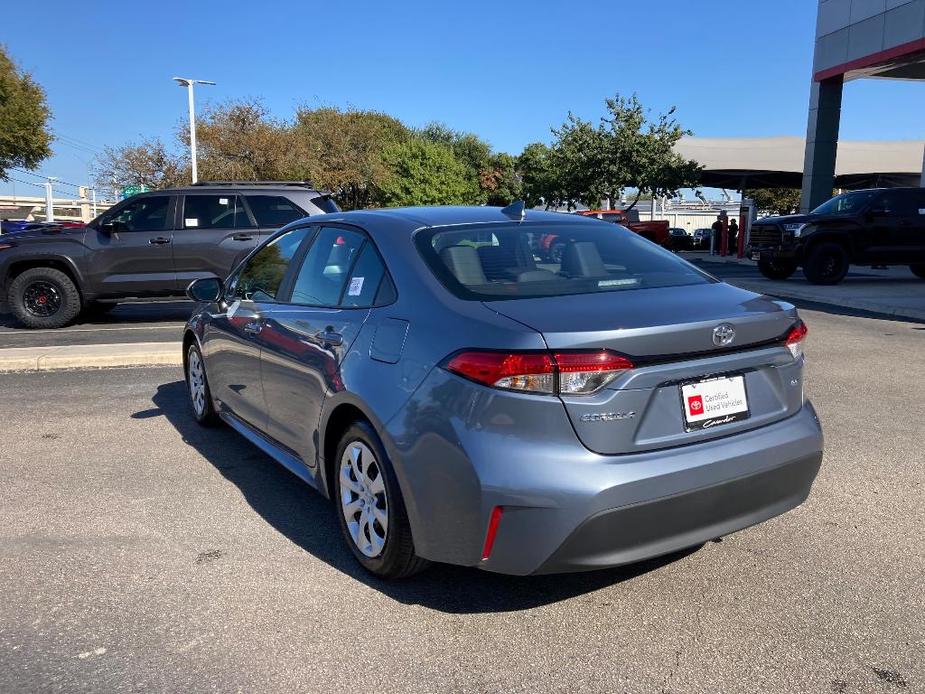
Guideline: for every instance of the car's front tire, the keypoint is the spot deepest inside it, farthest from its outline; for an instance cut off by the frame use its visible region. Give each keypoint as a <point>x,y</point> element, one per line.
<point>370,509</point>
<point>43,297</point>
<point>826,263</point>
<point>776,269</point>
<point>918,270</point>
<point>197,387</point>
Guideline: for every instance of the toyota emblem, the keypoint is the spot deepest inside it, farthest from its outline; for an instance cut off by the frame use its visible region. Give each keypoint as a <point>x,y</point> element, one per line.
<point>723,335</point>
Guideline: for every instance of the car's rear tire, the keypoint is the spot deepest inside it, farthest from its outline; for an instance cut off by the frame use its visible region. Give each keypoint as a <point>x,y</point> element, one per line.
<point>826,263</point>
<point>776,269</point>
<point>918,269</point>
<point>197,387</point>
<point>366,493</point>
<point>43,297</point>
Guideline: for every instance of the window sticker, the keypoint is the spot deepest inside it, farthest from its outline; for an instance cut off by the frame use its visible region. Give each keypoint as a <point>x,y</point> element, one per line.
<point>223,201</point>
<point>356,286</point>
<point>191,221</point>
<point>922,210</point>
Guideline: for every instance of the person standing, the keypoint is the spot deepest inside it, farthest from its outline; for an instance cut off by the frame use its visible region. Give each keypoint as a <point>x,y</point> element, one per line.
<point>733,237</point>
<point>716,236</point>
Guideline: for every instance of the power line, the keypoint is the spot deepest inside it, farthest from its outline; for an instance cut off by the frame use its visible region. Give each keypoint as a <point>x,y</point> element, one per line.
<point>57,180</point>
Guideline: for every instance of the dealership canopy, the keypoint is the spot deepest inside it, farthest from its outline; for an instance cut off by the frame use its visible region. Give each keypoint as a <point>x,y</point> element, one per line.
<point>777,162</point>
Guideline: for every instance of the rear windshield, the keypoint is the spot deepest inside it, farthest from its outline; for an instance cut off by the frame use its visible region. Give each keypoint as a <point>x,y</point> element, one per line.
<point>527,260</point>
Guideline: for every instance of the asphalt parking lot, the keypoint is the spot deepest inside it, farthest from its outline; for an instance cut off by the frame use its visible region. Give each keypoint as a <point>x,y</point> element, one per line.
<point>139,552</point>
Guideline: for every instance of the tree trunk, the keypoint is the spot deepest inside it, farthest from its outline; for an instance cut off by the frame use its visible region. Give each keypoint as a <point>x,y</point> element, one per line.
<point>638,195</point>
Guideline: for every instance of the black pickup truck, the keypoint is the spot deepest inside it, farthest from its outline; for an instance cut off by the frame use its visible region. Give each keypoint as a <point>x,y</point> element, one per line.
<point>863,227</point>
<point>149,245</point>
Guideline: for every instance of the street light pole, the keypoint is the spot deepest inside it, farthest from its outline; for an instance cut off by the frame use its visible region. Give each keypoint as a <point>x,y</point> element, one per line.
<point>50,199</point>
<point>188,83</point>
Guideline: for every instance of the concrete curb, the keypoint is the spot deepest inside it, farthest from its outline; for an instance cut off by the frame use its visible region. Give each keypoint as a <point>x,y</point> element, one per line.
<point>91,356</point>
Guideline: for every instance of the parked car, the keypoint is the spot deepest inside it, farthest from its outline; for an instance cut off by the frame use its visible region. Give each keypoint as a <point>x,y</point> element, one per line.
<point>701,238</point>
<point>864,227</point>
<point>655,230</point>
<point>460,402</point>
<point>149,245</point>
<point>679,239</point>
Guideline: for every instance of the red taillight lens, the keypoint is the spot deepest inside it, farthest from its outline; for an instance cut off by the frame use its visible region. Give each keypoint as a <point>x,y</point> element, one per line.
<point>795,339</point>
<point>528,371</point>
<point>581,373</point>
<point>568,373</point>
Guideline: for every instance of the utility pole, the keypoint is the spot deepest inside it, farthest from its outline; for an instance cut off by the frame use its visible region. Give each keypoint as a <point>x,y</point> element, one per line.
<point>188,83</point>
<point>50,199</point>
<point>93,201</point>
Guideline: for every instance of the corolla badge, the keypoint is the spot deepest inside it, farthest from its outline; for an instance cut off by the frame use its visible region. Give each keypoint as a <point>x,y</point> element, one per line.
<point>723,335</point>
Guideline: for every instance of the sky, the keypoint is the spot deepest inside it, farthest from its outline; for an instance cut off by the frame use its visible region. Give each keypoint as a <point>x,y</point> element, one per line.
<point>506,70</point>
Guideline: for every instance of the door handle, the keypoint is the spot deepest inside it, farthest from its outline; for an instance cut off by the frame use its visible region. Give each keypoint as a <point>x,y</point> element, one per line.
<point>158,241</point>
<point>253,328</point>
<point>242,237</point>
<point>329,337</point>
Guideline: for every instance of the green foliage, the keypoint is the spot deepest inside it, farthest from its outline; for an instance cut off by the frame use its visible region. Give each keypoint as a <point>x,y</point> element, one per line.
<point>626,149</point>
<point>425,173</point>
<point>538,176</point>
<point>775,200</point>
<point>25,139</point>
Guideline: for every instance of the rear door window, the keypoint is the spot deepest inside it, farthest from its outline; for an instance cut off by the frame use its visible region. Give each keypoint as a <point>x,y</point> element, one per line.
<point>274,210</point>
<point>323,276</point>
<point>494,262</point>
<point>214,212</point>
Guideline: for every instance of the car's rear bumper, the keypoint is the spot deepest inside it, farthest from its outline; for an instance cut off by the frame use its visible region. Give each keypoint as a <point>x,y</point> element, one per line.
<point>566,508</point>
<point>653,528</point>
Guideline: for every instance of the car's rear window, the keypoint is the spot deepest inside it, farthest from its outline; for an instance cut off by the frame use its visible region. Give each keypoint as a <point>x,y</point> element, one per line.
<point>527,260</point>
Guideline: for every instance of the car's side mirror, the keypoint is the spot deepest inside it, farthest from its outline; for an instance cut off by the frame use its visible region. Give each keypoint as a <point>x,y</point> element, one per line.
<point>205,289</point>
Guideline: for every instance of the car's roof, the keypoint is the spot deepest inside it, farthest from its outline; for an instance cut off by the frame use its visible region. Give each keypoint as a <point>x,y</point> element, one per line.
<point>206,187</point>
<point>417,217</point>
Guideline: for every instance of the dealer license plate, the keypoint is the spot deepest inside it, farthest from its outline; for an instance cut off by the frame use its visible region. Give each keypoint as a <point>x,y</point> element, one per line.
<point>714,402</point>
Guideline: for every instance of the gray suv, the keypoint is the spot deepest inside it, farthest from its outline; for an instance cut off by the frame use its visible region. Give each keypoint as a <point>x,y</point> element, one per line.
<point>463,400</point>
<point>149,245</point>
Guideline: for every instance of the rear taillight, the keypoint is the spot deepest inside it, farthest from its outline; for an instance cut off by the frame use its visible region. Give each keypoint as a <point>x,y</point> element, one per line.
<point>581,373</point>
<point>795,339</point>
<point>568,373</point>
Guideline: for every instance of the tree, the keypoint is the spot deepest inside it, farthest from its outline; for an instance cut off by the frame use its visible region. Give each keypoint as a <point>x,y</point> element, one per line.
<point>424,173</point>
<point>342,151</point>
<point>639,152</point>
<point>775,200</point>
<point>625,150</point>
<point>239,140</point>
<point>578,162</point>
<point>148,163</point>
<point>473,153</point>
<point>500,181</point>
<point>25,139</point>
<point>538,177</point>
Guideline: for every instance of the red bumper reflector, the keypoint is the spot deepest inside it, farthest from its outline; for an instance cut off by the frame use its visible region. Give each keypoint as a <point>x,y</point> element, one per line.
<point>492,531</point>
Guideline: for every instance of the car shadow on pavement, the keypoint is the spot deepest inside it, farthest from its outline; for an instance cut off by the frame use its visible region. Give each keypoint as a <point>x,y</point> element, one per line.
<point>307,519</point>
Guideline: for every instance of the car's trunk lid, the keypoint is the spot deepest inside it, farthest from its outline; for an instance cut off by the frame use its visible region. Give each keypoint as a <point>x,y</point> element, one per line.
<point>669,335</point>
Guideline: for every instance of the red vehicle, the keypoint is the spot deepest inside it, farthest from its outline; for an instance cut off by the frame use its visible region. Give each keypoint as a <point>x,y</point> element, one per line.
<point>655,231</point>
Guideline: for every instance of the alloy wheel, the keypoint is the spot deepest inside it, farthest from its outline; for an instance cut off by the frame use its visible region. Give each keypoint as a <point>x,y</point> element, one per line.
<point>197,382</point>
<point>364,501</point>
<point>42,299</point>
